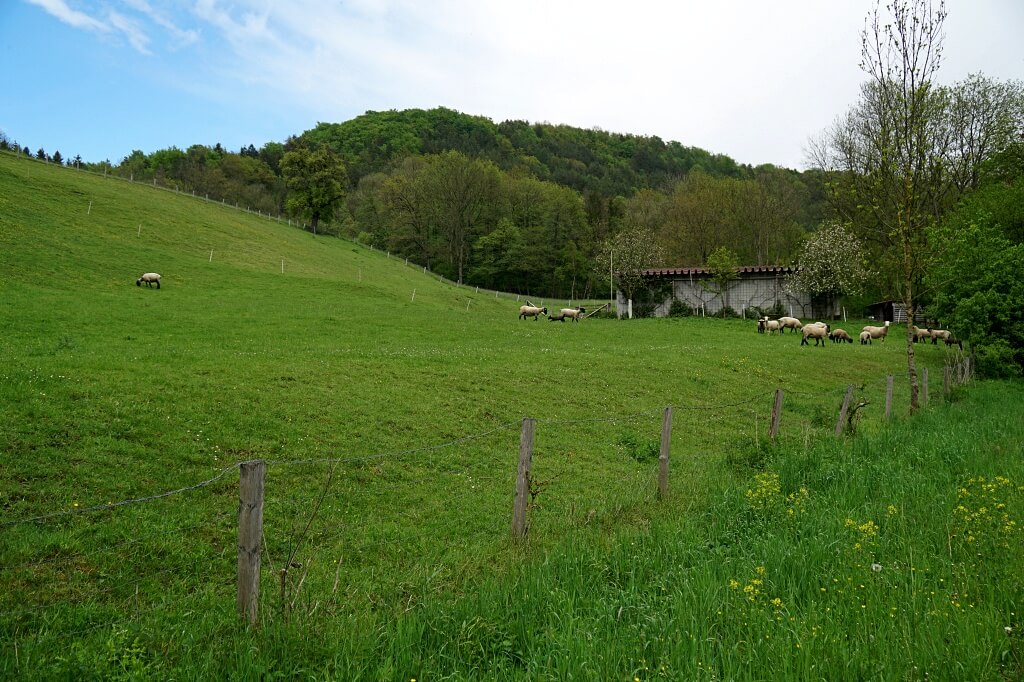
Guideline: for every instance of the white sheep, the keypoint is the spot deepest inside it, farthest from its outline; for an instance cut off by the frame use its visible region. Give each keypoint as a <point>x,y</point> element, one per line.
<point>772,326</point>
<point>533,311</point>
<point>575,314</point>
<point>937,334</point>
<point>816,330</point>
<point>865,337</point>
<point>839,335</point>
<point>920,335</point>
<point>789,323</point>
<point>877,332</point>
<point>148,278</point>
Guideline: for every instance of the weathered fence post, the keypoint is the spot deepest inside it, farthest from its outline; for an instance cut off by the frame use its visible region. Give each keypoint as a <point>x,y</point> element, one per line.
<point>776,414</point>
<point>250,532</point>
<point>888,396</point>
<point>666,441</point>
<point>523,478</point>
<point>945,383</point>
<point>924,385</point>
<point>841,423</point>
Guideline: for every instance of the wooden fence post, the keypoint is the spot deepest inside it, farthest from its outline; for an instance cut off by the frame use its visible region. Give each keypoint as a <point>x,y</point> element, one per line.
<point>888,396</point>
<point>776,414</point>
<point>945,383</point>
<point>666,440</point>
<point>924,385</point>
<point>841,423</point>
<point>250,533</point>
<point>523,478</point>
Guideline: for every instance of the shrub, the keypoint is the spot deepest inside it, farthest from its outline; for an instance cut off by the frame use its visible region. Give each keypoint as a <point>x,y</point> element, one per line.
<point>680,309</point>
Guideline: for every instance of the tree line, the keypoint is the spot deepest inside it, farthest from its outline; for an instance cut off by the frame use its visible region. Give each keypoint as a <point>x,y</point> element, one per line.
<point>516,206</point>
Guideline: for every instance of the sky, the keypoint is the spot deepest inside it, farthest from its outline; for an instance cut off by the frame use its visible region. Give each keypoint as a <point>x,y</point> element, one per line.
<point>753,79</point>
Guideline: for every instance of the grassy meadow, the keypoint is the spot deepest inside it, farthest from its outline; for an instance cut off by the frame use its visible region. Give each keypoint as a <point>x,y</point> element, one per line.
<point>388,406</point>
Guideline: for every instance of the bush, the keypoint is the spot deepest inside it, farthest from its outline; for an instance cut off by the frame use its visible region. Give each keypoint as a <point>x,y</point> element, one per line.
<point>680,309</point>
<point>727,312</point>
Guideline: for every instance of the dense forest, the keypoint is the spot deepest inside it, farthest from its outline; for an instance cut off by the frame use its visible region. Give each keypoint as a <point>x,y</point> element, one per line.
<point>516,206</point>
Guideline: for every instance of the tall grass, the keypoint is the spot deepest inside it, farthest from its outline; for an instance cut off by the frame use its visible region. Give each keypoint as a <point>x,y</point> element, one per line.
<point>390,426</point>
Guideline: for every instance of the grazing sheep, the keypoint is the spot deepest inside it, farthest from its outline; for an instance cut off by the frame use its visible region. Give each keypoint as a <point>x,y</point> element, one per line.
<point>937,334</point>
<point>919,334</point>
<point>865,338</point>
<point>789,323</point>
<point>574,314</point>
<point>878,332</point>
<point>953,341</point>
<point>533,311</point>
<point>816,330</point>
<point>840,336</point>
<point>556,318</point>
<point>148,278</point>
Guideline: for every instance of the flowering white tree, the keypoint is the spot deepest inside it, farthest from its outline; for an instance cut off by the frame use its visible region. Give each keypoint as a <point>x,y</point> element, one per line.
<point>831,264</point>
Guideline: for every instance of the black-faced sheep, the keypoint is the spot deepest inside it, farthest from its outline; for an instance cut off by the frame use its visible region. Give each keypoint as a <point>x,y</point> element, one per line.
<point>937,334</point>
<point>878,332</point>
<point>772,326</point>
<point>148,278</point>
<point>533,311</point>
<point>865,338</point>
<point>556,318</point>
<point>920,335</point>
<point>840,336</point>
<point>816,330</point>
<point>789,323</point>
<point>574,314</point>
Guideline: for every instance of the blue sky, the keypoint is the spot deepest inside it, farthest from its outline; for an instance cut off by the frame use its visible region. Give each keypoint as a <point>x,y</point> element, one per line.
<point>748,78</point>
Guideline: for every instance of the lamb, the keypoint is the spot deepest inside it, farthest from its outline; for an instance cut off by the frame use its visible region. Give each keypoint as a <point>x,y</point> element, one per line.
<point>839,335</point>
<point>789,323</point>
<point>772,326</point>
<point>937,334</point>
<point>865,338</point>
<point>953,341</point>
<point>533,311</point>
<point>761,324</point>
<point>148,278</point>
<point>877,332</point>
<point>817,330</point>
<point>575,314</point>
<point>556,318</point>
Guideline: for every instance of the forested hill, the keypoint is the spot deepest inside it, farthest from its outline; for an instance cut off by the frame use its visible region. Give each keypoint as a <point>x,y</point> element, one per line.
<point>586,160</point>
<point>527,207</point>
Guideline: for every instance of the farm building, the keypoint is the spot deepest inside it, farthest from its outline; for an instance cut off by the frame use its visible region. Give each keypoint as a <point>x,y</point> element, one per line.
<point>893,311</point>
<point>760,286</point>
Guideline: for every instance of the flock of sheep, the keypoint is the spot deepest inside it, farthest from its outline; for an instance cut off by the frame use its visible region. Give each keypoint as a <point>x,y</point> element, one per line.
<point>529,310</point>
<point>819,331</point>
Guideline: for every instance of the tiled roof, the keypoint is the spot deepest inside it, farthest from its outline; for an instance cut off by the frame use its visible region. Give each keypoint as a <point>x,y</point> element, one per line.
<point>771,269</point>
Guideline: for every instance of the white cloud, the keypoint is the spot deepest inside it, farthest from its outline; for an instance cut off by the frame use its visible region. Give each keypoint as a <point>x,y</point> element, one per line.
<point>71,17</point>
<point>132,30</point>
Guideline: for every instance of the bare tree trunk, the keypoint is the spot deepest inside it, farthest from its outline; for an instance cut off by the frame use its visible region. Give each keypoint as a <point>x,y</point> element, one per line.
<point>911,364</point>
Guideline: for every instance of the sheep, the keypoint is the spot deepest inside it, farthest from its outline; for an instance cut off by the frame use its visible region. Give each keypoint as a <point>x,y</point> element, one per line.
<point>556,318</point>
<point>919,334</point>
<point>877,332</point>
<point>761,324</point>
<point>772,326</point>
<point>953,341</point>
<point>575,314</point>
<point>817,330</point>
<point>937,334</point>
<point>840,336</point>
<point>789,323</point>
<point>533,311</point>
<point>148,278</point>
<point>865,338</point>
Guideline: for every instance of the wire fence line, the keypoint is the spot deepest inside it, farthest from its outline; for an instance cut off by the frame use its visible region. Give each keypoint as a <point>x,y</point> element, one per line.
<point>316,520</point>
<point>396,454</point>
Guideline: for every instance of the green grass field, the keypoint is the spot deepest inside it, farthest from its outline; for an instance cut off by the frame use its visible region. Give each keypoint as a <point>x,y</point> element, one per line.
<point>388,407</point>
